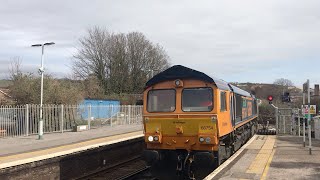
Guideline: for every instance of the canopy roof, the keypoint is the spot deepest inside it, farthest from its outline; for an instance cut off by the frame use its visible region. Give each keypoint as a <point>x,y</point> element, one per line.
<point>182,72</point>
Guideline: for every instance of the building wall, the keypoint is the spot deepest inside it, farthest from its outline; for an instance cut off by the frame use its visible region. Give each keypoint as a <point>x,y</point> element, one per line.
<point>99,109</point>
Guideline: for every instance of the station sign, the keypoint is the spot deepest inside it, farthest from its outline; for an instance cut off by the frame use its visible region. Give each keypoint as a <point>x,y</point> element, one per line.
<point>312,109</point>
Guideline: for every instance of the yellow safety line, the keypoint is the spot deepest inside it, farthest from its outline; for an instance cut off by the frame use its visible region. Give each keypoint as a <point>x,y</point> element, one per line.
<point>261,163</point>
<point>258,164</point>
<point>266,169</point>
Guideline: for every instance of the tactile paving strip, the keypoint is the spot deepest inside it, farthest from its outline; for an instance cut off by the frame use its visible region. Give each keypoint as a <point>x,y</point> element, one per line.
<point>260,162</point>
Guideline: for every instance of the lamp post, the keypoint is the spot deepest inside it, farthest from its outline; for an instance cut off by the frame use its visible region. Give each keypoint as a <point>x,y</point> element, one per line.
<point>41,70</point>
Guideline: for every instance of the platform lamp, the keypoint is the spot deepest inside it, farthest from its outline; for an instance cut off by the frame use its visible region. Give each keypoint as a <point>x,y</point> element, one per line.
<point>41,70</point>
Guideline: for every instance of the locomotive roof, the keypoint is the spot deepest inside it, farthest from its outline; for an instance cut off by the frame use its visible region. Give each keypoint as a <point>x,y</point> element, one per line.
<point>237,90</point>
<point>182,72</point>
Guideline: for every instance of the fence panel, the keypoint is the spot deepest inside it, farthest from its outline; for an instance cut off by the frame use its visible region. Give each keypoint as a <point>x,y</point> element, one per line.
<point>283,117</point>
<point>12,121</point>
<point>24,120</point>
<point>71,116</point>
<point>287,123</point>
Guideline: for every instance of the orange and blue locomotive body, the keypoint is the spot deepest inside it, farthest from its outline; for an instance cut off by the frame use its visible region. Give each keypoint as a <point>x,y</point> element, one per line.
<point>194,121</point>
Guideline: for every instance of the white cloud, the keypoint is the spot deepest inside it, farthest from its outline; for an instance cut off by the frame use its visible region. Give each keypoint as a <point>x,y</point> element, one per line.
<point>223,38</point>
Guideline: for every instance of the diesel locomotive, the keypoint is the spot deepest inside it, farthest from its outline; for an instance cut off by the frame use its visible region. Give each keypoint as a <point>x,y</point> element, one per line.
<point>194,122</point>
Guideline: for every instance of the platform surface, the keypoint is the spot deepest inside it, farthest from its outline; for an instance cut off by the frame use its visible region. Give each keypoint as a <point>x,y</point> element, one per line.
<point>292,161</point>
<point>20,150</point>
<point>272,157</point>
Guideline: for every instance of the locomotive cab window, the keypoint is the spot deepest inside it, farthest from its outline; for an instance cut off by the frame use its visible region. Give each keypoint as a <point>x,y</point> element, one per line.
<point>161,100</point>
<point>223,101</point>
<point>197,100</point>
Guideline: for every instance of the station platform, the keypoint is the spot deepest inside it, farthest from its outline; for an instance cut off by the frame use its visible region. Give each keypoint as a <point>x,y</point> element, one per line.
<point>22,150</point>
<point>272,157</point>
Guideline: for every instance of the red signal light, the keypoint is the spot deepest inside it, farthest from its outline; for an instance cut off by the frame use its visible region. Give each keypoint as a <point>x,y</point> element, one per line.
<point>270,98</point>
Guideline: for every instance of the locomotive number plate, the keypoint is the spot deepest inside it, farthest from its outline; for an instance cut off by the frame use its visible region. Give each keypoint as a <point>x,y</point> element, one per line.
<point>204,128</point>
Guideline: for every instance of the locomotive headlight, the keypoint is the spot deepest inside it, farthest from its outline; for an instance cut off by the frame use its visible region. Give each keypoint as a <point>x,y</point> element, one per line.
<point>201,139</point>
<point>208,139</point>
<point>177,82</point>
<point>156,138</point>
<point>150,138</point>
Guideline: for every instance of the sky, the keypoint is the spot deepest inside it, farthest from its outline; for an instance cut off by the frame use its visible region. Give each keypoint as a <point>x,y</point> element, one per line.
<point>237,41</point>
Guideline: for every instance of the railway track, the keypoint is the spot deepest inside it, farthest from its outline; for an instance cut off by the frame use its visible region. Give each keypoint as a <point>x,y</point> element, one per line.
<point>133,169</point>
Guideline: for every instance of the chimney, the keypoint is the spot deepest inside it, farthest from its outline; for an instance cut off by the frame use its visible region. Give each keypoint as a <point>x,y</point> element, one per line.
<point>316,89</point>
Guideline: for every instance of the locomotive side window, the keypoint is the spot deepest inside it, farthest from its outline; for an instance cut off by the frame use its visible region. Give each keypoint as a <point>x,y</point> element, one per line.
<point>239,105</point>
<point>223,101</point>
<point>254,109</point>
<point>161,100</point>
<point>197,100</point>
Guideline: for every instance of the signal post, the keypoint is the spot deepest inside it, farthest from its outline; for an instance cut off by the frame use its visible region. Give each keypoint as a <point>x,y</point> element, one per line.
<point>270,99</point>
<point>306,89</point>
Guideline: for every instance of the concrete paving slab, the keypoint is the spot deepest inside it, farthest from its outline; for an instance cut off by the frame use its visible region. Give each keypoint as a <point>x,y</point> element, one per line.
<point>22,150</point>
<point>292,160</point>
<point>49,153</point>
<point>16,145</point>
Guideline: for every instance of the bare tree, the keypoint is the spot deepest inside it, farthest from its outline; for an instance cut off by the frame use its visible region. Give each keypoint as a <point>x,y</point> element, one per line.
<point>15,68</point>
<point>92,56</point>
<point>119,69</point>
<point>283,82</point>
<point>25,87</point>
<point>143,58</point>
<point>92,89</point>
<point>121,62</point>
<point>22,83</point>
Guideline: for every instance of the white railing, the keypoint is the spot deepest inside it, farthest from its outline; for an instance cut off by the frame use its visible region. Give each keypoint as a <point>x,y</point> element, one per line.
<point>23,120</point>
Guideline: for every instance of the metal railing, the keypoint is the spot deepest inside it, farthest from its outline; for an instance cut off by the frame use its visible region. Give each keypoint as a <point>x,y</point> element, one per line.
<point>23,120</point>
<point>290,121</point>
